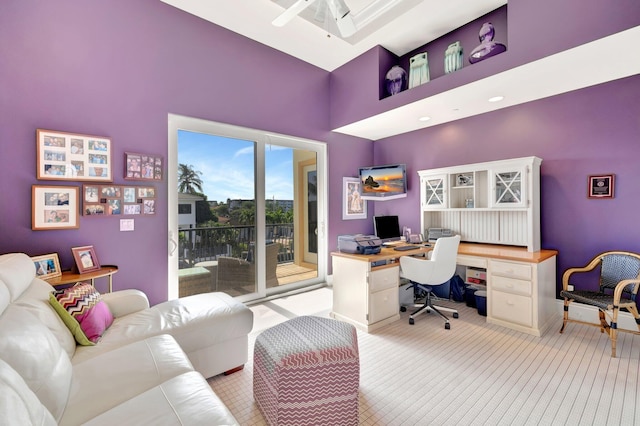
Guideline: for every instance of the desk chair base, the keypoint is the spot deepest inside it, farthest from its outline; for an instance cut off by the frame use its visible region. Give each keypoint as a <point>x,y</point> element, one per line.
<point>429,307</point>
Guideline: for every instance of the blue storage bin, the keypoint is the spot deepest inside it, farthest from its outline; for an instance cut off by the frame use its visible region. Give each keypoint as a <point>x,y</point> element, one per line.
<point>469,296</point>
<point>481,302</point>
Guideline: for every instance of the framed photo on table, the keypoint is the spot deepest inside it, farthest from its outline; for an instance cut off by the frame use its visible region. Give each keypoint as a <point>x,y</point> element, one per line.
<point>71,156</point>
<point>54,207</point>
<point>353,206</point>
<point>86,259</point>
<point>47,266</point>
<point>601,186</point>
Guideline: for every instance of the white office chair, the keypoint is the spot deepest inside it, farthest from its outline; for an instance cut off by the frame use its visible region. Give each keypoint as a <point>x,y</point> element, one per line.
<point>426,273</point>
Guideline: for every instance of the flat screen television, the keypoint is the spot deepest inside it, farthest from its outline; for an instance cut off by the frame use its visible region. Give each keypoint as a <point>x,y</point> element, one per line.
<point>387,228</point>
<point>383,182</point>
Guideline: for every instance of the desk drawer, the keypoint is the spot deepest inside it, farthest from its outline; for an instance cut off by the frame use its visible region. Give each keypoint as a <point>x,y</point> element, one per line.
<point>512,308</point>
<point>511,269</point>
<point>511,285</point>
<point>474,261</point>
<point>383,304</point>
<point>383,279</point>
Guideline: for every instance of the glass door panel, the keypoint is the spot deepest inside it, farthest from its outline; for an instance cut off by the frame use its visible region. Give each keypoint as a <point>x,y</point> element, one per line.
<point>216,214</point>
<point>290,217</point>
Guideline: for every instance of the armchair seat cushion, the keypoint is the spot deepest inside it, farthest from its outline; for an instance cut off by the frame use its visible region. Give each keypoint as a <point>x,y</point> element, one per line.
<point>594,298</point>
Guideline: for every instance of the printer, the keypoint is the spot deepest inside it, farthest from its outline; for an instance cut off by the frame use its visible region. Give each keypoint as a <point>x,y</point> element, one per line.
<point>359,244</point>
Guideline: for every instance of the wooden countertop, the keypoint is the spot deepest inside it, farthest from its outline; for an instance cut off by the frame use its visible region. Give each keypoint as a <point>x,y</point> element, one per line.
<point>494,251</point>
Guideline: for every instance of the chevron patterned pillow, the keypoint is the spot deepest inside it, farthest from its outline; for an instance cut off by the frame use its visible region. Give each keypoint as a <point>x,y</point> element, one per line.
<point>83,312</point>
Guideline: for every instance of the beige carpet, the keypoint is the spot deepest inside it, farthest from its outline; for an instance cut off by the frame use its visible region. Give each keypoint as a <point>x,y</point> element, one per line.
<point>473,374</point>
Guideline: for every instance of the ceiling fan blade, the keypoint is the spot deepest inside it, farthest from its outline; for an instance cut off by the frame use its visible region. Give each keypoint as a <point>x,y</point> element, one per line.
<point>292,12</point>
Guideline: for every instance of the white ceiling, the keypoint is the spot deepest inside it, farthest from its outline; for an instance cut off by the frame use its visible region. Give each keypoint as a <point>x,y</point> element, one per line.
<point>425,22</point>
<point>422,23</point>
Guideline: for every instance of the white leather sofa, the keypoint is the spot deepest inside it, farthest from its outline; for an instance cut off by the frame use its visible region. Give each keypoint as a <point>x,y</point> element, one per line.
<point>148,368</point>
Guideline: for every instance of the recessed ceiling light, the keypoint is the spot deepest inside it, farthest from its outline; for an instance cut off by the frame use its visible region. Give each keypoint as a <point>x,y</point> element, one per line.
<point>496,99</point>
<point>424,118</point>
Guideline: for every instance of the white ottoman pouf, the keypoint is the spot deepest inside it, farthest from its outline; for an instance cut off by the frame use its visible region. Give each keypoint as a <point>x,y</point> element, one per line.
<point>306,371</point>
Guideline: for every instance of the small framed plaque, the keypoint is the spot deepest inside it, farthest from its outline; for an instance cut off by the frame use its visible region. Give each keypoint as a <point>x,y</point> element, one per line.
<point>601,186</point>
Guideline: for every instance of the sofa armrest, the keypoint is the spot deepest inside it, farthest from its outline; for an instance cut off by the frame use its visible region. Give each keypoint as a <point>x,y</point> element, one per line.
<point>124,302</point>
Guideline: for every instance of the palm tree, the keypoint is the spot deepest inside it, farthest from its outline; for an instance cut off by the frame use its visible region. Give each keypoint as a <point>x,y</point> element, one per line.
<point>189,179</point>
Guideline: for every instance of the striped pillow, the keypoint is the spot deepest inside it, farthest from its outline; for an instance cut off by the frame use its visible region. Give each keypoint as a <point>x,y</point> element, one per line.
<point>83,312</point>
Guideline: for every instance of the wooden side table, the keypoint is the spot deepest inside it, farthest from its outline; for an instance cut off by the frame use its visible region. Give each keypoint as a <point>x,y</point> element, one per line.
<point>69,277</point>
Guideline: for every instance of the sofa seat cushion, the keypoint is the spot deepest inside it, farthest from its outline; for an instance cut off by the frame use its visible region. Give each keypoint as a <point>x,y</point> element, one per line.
<point>196,322</point>
<point>18,404</point>
<point>183,400</point>
<point>107,380</point>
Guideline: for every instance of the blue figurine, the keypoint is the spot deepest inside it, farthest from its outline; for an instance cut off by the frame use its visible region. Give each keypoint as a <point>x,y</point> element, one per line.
<point>488,47</point>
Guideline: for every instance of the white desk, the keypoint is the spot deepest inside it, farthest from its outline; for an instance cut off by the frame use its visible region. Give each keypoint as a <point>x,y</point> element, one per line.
<point>521,285</point>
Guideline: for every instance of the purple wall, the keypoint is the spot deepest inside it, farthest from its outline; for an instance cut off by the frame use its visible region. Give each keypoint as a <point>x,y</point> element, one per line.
<point>117,69</point>
<point>590,131</point>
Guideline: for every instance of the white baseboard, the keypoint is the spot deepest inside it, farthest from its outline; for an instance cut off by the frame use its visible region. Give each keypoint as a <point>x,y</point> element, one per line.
<point>588,313</point>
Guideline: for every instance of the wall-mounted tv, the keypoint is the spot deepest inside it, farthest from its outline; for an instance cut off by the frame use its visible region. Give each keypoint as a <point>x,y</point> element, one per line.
<point>383,182</point>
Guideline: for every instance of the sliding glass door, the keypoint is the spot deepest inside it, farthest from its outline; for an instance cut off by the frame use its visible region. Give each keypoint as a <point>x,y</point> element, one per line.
<point>245,219</point>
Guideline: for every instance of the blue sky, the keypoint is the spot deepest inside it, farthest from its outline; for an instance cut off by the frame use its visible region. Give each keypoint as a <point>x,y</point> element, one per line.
<point>228,170</point>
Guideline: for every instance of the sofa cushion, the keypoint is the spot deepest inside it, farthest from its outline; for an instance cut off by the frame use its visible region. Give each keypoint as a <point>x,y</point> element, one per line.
<point>16,271</point>
<point>36,300</point>
<point>20,286</point>
<point>185,399</point>
<point>82,310</point>
<point>19,405</point>
<point>32,350</point>
<point>114,377</point>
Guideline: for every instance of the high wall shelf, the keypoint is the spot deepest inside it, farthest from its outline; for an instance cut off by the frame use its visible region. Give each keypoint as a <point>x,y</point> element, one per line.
<point>495,202</point>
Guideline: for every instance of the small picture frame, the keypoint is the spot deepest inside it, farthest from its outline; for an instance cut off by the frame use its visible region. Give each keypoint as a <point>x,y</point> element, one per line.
<point>71,156</point>
<point>142,166</point>
<point>601,186</point>
<point>47,266</point>
<point>353,206</point>
<point>54,207</point>
<point>464,179</point>
<point>86,259</point>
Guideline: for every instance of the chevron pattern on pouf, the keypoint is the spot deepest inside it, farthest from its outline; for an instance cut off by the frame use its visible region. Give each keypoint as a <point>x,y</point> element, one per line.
<point>306,371</point>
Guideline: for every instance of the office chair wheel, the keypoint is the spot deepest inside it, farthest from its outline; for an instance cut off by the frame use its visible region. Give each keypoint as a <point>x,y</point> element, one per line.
<point>411,321</point>
<point>455,315</point>
<point>447,326</point>
<point>403,309</point>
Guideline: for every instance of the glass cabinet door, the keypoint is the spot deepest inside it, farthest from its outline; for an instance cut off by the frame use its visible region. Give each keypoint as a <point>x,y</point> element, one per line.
<point>508,188</point>
<point>434,192</point>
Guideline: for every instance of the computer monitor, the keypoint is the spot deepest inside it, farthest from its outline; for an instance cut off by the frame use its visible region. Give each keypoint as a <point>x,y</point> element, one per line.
<point>387,228</point>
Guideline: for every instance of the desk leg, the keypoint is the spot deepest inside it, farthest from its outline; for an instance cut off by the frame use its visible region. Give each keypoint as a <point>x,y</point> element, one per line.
<point>110,283</point>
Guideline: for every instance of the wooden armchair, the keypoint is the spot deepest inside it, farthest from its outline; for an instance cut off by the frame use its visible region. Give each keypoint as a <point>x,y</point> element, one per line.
<point>618,287</point>
<point>235,273</point>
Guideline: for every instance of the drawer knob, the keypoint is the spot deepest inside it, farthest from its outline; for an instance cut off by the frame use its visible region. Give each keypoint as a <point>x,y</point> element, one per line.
<point>510,302</point>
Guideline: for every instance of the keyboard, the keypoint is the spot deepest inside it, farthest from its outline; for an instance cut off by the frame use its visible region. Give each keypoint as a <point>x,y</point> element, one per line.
<point>405,248</point>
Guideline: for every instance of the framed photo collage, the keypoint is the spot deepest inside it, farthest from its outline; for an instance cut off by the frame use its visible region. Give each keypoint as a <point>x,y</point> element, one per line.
<point>75,157</point>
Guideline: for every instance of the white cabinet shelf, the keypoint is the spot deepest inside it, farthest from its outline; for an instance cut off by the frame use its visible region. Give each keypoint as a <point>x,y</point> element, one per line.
<point>494,202</point>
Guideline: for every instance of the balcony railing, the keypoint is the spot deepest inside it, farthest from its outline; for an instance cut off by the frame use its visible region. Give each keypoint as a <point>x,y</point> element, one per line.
<point>207,243</point>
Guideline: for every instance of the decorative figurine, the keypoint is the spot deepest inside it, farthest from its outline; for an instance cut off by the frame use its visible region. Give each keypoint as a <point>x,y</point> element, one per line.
<point>487,47</point>
<point>396,80</point>
<point>418,70</point>
<point>453,58</point>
